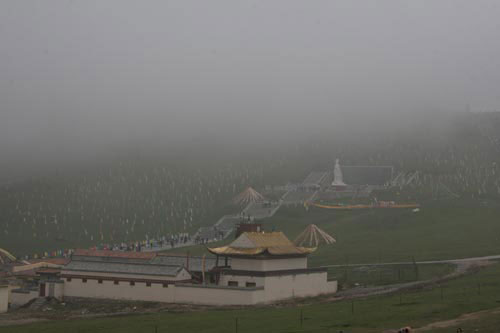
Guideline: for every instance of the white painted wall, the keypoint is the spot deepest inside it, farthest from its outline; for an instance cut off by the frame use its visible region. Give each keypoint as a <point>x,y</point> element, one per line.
<point>183,275</point>
<point>4,298</point>
<point>268,264</point>
<point>157,293</point>
<point>217,296</point>
<point>19,299</point>
<point>299,285</point>
<point>107,289</point>
<point>242,280</point>
<point>273,288</point>
<point>286,286</point>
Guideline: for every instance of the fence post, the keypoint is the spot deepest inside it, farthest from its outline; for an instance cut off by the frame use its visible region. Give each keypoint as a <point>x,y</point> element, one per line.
<point>415,267</point>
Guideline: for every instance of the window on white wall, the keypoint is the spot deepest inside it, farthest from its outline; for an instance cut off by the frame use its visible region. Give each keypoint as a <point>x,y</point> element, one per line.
<point>251,284</point>
<point>232,283</point>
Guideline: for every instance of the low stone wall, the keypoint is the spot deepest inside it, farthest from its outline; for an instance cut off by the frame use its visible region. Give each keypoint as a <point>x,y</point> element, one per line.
<point>215,295</point>
<point>19,297</point>
<point>155,292</point>
<point>275,288</point>
<point>332,286</point>
<point>309,284</point>
<point>180,293</point>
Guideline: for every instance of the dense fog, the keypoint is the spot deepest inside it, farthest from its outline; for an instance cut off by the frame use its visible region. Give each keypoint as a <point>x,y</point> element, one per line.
<point>85,79</point>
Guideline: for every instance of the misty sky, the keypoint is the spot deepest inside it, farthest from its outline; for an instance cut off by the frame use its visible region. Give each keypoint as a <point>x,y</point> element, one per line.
<point>86,73</point>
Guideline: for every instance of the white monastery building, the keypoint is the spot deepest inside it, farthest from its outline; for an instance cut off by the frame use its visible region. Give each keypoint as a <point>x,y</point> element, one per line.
<point>257,267</point>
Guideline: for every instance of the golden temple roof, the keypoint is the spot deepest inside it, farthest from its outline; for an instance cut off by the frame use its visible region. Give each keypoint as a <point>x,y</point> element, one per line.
<point>261,243</point>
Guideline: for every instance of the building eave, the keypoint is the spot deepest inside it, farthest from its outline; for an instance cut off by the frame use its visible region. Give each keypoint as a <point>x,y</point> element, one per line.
<point>67,271</point>
<point>278,251</point>
<point>120,279</point>
<point>275,272</point>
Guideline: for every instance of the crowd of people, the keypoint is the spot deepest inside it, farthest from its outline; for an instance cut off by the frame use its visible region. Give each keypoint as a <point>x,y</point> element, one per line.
<point>167,241</point>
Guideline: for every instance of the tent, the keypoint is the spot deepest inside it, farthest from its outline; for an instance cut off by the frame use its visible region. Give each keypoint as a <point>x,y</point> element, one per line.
<point>313,236</point>
<point>247,196</point>
<point>6,257</point>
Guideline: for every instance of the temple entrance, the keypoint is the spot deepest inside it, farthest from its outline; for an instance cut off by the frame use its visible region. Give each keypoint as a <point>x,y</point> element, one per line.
<point>42,290</point>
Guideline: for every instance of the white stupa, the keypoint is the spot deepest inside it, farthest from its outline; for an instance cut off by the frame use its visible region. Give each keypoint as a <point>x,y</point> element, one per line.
<point>338,181</point>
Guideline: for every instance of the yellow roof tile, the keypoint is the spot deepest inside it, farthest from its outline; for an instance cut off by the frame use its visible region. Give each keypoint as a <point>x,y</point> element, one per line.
<point>259,243</point>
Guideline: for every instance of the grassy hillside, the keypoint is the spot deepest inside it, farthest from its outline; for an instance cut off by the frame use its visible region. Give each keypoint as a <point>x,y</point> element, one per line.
<point>441,230</point>
<point>110,206</point>
<point>131,197</point>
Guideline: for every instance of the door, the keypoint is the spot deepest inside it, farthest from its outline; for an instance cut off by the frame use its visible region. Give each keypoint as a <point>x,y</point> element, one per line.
<point>42,290</point>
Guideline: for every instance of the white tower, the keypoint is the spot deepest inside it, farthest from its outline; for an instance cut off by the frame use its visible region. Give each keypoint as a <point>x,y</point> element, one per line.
<point>337,175</point>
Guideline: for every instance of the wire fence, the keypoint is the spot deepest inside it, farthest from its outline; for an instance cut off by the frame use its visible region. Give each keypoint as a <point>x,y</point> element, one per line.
<point>236,329</point>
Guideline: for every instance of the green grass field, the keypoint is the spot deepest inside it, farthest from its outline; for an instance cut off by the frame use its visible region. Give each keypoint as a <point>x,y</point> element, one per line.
<point>441,230</point>
<point>367,276</point>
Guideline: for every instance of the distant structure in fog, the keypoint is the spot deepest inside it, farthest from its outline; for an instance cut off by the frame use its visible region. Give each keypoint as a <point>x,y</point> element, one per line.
<point>338,178</point>
<point>345,181</point>
<point>374,176</point>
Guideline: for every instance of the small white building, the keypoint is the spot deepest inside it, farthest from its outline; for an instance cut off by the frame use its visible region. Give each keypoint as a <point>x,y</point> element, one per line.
<point>255,268</point>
